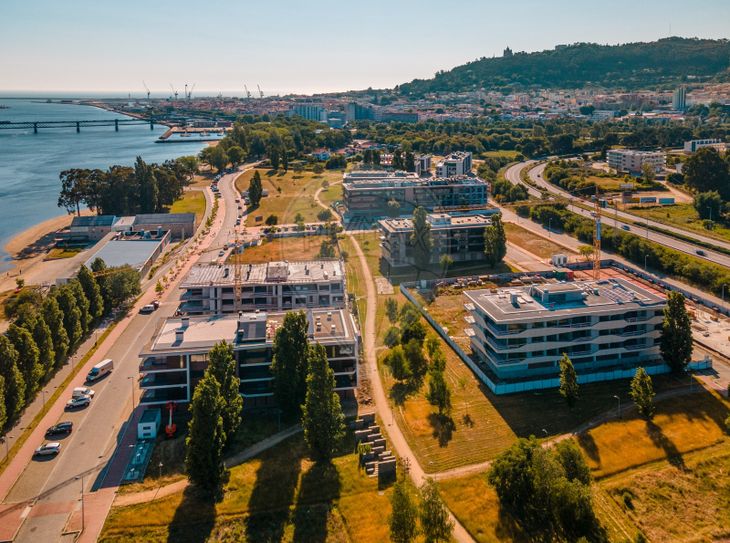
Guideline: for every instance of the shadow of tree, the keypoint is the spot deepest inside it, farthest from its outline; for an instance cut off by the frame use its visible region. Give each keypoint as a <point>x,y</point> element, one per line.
<point>194,518</point>
<point>399,393</point>
<point>588,444</point>
<point>320,487</point>
<point>674,457</point>
<point>443,428</point>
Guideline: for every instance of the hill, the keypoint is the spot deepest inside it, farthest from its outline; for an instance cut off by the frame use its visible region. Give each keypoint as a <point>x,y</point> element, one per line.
<point>630,66</point>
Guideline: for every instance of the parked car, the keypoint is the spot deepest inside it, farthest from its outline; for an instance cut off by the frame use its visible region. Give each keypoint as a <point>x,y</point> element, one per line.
<point>700,252</point>
<point>221,253</point>
<point>156,304</point>
<point>83,391</point>
<point>62,428</point>
<point>81,401</point>
<point>48,449</point>
<point>146,309</point>
<point>625,227</point>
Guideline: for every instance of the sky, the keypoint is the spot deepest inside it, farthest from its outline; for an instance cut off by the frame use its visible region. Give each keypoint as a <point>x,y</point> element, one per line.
<point>305,46</point>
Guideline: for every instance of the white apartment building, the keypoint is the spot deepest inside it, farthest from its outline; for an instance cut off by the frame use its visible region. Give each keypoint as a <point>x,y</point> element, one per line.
<point>716,143</point>
<point>455,164</point>
<point>519,334</point>
<point>632,161</point>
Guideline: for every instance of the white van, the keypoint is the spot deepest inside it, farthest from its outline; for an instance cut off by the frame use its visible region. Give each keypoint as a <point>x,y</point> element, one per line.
<point>100,370</point>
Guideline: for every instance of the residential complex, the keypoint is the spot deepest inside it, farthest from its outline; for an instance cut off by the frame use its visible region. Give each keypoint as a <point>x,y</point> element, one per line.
<point>386,193</point>
<point>175,360</point>
<point>716,143</point>
<point>461,237</point>
<point>632,161</point>
<point>519,334</point>
<point>455,164</point>
<point>312,111</point>
<point>274,286</point>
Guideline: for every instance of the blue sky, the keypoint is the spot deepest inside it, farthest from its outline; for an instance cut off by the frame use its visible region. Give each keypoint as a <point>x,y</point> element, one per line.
<point>305,46</point>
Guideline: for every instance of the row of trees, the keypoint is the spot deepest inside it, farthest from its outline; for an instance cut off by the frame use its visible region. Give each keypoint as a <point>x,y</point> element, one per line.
<point>424,513</point>
<point>123,190</point>
<point>47,328</point>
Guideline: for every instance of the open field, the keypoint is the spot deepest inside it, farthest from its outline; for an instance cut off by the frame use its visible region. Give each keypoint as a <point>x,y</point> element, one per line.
<point>193,201</point>
<point>63,252</point>
<point>331,194</point>
<point>301,248</point>
<point>279,496</point>
<point>531,242</point>
<point>683,216</point>
<point>290,194</point>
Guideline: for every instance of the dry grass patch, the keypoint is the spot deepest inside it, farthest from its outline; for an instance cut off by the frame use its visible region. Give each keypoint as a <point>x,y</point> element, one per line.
<point>299,248</point>
<point>531,242</point>
<point>192,201</point>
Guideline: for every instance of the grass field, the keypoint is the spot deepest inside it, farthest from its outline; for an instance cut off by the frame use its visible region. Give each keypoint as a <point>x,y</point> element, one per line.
<point>289,194</point>
<point>58,253</point>
<point>531,242</point>
<point>193,201</point>
<point>331,194</point>
<point>279,496</point>
<point>683,216</point>
<point>303,248</point>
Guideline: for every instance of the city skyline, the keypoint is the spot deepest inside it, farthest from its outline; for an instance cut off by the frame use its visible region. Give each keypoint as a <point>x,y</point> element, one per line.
<point>290,47</point>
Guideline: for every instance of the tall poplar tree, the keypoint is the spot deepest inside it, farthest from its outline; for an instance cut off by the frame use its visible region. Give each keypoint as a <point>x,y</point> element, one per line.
<point>71,315</point>
<point>222,364</point>
<point>421,240</point>
<point>92,291</point>
<point>495,241</point>
<point>14,384</point>
<point>676,339</point>
<point>255,190</point>
<point>568,381</point>
<point>289,366</point>
<point>404,514</point>
<point>28,356</point>
<point>53,316</point>
<point>642,392</point>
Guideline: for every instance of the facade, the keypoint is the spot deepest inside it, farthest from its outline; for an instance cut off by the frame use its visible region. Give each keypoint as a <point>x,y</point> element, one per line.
<point>88,228</point>
<point>455,164</point>
<point>358,112</point>
<point>423,164</point>
<point>519,334</point>
<point>631,161</point>
<point>180,225</point>
<point>460,237</point>
<point>311,111</point>
<point>175,360</point>
<point>716,143</point>
<point>679,99</point>
<point>274,286</point>
<point>375,192</point>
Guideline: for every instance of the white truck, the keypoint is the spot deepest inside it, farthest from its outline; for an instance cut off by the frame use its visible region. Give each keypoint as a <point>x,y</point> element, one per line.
<point>100,370</point>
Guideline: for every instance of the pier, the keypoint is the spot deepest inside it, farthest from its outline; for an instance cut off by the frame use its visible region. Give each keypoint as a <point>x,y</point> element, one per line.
<point>37,125</point>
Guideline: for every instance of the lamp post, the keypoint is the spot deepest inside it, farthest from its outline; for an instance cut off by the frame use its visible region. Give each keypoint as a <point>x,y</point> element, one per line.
<point>544,431</point>
<point>619,404</point>
<point>159,477</point>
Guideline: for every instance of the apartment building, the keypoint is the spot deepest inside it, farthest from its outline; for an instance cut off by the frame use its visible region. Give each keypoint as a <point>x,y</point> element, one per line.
<point>273,286</point>
<point>716,143</point>
<point>459,236</point>
<point>176,358</point>
<point>519,334</point>
<point>632,161</point>
<point>423,165</point>
<point>312,111</point>
<point>384,193</point>
<point>455,164</point>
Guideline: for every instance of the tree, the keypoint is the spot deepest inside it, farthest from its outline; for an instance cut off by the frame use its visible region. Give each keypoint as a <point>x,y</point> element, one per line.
<point>495,242</point>
<point>236,155</point>
<point>122,283</point>
<point>255,190</point>
<point>676,338</point>
<point>147,187</point>
<point>71,315</point>
<point>404,514</point>
<point>706,171</point>
<point>322,418</point>
<point>439,393</point>
<point>74,188</point>
<point>436,525</point>
<point>642,392</point>
<point>409,163</point>
<point>28,356</point>
<point>272,220</point>
<point>53,316</point>
<point>574,463</point>
<point>3,409</point>
<point>421,240</point>
<point>413,350</point>
<point>82,303</point>
<point>392,337</point>
<point>446,261</point>
<point>290,363</point>
<point>391,309</point>
<point>397,162</point>
<point>218,158</point>
<point>222,365</point>
<point>568,381</point>
<point>586,251</point>
<point>413,330</point>
<point>708,205</point>
<point>14,385</point>
<point>648,173</point>
<point>206,437</point>
<point>92,293</point>
<point>44,341</point>
<point>398,364</point>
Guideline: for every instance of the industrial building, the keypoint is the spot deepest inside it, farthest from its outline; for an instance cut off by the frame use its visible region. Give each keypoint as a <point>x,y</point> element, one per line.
<point>455,164</point>
<point>274,286</point>
<point>379,193</point>
<point>88,228</point>
<point>180,225</point>
<point>138,250</point>
<point>459,236</point>
<point>632,161</point>
<point>606,327</point>
<point>176,358</point>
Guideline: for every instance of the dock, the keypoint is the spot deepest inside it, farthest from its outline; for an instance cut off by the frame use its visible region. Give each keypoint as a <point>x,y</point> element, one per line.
<point>182,134</point>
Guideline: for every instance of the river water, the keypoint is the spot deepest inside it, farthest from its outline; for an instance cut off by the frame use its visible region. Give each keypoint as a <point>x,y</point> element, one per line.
<point>30,163</point>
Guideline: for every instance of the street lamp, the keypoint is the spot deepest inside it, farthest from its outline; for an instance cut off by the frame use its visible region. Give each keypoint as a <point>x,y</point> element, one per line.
<point>159,477</point>
<point>83,512</point>
<point>545,432</point>
<point>619,404</point>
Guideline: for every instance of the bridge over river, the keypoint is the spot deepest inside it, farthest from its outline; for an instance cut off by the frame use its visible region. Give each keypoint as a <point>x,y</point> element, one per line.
<point>37,125</point>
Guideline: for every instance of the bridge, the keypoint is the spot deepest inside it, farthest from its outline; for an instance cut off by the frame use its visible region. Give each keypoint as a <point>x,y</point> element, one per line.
<point>36,125</point>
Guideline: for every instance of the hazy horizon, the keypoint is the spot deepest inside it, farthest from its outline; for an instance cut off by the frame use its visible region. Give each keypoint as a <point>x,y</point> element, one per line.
<point>297,47</point>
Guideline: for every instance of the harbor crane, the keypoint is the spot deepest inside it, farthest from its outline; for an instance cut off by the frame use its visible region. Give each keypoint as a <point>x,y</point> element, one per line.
<point>248,93</point>
<point>147,89</point>
<point>261,94</point>
<point>174,92</point>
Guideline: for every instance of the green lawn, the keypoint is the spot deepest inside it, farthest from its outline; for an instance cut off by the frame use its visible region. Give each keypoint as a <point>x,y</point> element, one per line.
<point>331,194</point>
<point>192,201</point>
<point>683,216</point>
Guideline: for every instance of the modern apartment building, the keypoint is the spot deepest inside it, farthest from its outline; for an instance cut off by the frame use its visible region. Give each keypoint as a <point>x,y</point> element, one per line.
<point>274,286</point>
<point>382,193</point>
<point>459,236</point>
<point>519,334</point>
<point>631,161</point>
<point>423,164</point>
<point>312,111</point>
<point>716,143</point>
<point>176,358</point>
<point>458,163</point>
<point>679,99</point>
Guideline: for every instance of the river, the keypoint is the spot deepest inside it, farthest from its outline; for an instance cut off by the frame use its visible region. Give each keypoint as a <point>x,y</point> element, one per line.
<point>30,163</point>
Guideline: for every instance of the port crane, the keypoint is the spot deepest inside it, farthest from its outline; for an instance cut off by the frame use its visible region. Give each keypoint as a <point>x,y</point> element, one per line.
<point>174,92</point>
<point>261,94</point>
<point>147,89</point>
<point>248,93</point>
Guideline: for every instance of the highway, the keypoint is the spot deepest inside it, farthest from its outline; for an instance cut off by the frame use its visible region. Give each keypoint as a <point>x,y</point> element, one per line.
<point>99,428</point>
<point>513,175</point>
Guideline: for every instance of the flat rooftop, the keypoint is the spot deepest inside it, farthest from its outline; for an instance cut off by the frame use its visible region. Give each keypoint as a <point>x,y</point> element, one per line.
<point>386,181</point>
<point>306,271</point>
<point>438,221</point>
<point>562,300</point>
<point>326,326</point>
<point>132,251</point>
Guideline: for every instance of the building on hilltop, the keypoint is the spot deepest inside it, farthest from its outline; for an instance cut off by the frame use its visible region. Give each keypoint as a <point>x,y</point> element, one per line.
<point>455,164</point>
<point>607,328</point>
<point>459,236</point>
<point>274,286</point>
<point>177,356</point>
<point>679,99</point>
<point>312,111</point>
<point>632,161</point>
<point>716,143</point>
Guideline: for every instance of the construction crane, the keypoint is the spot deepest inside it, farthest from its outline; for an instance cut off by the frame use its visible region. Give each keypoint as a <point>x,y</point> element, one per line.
<point>248,93</point>
<point>174,92</point>
<point>597,237</point>
<point>236,275</point>
<point>190,94</point>
<point>186,91</point>
<point>147,89</point>
<point>261,94</point>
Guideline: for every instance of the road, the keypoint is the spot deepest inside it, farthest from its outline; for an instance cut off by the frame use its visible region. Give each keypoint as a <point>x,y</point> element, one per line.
<point>98,428</point>
<point>513,175</point>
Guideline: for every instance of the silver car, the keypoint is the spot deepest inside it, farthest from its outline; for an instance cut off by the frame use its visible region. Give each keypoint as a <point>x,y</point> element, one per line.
<point>48,449</point>
<point>79,401</point>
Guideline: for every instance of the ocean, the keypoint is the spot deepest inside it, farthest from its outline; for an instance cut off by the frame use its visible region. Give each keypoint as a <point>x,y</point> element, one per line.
<point>30,163</point>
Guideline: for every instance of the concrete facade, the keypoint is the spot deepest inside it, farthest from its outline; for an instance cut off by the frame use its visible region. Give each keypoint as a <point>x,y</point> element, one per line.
<point>631,161</point>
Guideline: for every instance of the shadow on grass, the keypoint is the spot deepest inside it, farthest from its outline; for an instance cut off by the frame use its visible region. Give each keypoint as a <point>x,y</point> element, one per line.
<point>588,444</point>
<point>674,457</point>
<point>194,518</point>
<point>443,428</point>
<point>319,488</point>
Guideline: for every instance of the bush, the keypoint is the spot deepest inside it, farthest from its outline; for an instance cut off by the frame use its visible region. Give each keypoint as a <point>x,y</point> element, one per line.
<point>628,499</point>
<point>392,337</point>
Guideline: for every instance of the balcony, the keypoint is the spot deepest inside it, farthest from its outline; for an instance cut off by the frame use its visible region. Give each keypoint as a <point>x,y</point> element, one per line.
<point>172,378</point>
<point>151,364</point>
<point>164,395</point>
<point>255,373</point>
